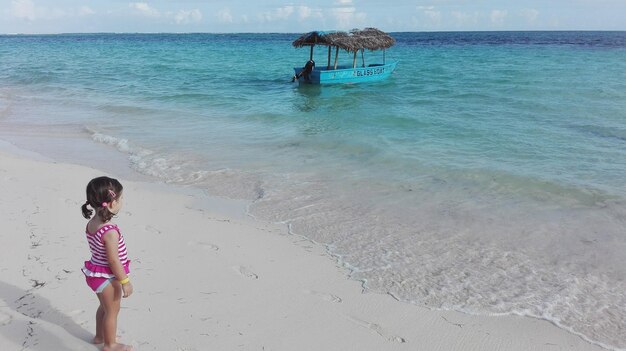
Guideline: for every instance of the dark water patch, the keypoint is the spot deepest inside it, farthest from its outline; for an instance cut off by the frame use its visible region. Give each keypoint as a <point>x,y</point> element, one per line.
<point>599,39</point>
<point>615,133</point>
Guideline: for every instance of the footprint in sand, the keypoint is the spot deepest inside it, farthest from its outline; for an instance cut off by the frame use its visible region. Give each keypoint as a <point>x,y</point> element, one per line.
<point>324,296</point>
<point>72,202</point>
<point>152,229</point>
<point>76,312</point>
<point>245,272</point>
<point>377,329</point>
<point>203,245</point>
<point>5,319</point>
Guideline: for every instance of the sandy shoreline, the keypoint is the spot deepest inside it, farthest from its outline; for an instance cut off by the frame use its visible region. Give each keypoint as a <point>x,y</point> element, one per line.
<point>206,277</point>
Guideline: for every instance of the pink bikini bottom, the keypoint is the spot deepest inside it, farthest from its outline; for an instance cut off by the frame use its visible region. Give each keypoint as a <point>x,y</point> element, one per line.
<point>97,284</point>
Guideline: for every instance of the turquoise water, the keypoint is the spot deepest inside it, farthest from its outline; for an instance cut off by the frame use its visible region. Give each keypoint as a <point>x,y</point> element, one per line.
<point>488,175</point>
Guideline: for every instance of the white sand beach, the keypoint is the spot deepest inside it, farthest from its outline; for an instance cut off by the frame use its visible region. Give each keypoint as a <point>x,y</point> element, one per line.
<point>206,277</point>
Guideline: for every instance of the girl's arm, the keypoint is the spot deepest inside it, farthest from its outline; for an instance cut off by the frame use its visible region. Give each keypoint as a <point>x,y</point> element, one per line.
<point>111,242</point>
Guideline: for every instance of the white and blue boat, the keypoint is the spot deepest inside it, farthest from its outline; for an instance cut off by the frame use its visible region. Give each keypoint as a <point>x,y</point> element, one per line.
<point>353,42</point>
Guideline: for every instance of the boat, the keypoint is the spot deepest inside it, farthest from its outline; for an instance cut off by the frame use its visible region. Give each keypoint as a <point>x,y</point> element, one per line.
<point>354,42</point>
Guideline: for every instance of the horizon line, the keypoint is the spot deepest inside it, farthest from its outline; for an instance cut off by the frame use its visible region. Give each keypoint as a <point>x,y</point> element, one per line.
<point>419,31</point>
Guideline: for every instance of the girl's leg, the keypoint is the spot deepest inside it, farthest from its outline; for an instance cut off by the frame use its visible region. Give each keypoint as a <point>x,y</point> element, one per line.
<point>99,338</point>
<point>110,299</point>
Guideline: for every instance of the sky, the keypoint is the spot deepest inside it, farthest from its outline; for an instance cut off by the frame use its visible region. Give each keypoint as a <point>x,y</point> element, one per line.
<point>237,16</point>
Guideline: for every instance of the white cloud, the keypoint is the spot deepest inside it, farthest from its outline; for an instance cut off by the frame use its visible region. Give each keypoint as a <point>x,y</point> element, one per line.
<point>425,8</point>
<point>287,12</point>
<point>465,18</point>
<point>85,11</point>
<point>343,15</point>
<point>498,16</point>
<point>284,12</point>
<point>28,10</point>
<point>144,9</point>
<point>179,17</point>
<point>434,16</point>
<point>305,12</point>
<point>188,16</point>
<point>24,9</point>
<point>224,16</point>
<point>430,13</point>
<point>530,15</point>
<point>347,17</point>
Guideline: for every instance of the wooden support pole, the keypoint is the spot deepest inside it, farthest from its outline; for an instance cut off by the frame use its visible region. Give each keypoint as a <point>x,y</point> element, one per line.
<point>336,56</point>
<point>354,60</point>
<point>328,66</point>
<point>363,57</point>
<point>311,56</point>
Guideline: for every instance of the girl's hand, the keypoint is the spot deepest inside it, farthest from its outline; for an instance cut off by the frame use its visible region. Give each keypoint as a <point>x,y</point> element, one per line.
<point>127,289</point>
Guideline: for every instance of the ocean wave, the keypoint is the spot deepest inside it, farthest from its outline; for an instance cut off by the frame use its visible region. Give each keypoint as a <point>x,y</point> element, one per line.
<point>5,102</point>
<point>171,168</point>
<point>488,255</point>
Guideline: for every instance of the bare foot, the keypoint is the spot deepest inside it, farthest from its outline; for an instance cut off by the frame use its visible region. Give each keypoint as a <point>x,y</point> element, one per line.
<point>118,347</point>
<point>97,340</point>
<point>100,339</point>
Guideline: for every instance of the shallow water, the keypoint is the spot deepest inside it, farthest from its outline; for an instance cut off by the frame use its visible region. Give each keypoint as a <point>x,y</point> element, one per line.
<point>488,175</point>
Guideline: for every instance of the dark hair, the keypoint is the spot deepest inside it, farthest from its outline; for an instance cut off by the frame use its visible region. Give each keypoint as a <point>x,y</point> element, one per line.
<point>101,190</point>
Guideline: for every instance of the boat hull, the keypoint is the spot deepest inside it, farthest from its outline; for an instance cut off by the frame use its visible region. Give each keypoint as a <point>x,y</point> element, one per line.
<point>342,75</point>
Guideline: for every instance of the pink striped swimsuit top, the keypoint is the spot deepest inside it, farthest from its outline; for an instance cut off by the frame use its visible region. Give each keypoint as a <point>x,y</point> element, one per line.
<point>98,252</point>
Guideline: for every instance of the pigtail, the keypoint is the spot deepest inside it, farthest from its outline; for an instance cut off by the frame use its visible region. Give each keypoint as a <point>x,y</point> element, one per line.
<point>86,212</point>
<point>101,192</point>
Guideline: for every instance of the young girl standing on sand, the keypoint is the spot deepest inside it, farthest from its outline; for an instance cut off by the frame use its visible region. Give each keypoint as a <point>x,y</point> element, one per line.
<point>107,270</point>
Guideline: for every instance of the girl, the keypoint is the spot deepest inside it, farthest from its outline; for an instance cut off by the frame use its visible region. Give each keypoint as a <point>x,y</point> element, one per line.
<point>107,270</point>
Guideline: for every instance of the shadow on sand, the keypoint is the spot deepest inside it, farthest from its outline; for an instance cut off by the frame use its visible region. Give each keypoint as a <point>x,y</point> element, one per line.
<point>31,334</point>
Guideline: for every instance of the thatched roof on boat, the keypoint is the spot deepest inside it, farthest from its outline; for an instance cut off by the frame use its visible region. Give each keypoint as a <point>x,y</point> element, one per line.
<point>355,40</point>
